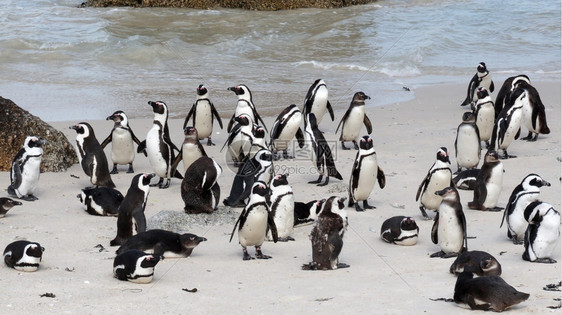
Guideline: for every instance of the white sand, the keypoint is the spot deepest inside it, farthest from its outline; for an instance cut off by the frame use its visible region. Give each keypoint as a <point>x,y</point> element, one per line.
<point>382,278</point>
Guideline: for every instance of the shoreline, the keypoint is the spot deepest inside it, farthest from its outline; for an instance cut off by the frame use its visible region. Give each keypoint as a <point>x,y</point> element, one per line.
<point>406,136</point>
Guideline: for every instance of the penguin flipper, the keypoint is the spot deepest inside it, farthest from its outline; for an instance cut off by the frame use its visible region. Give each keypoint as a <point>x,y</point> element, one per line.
<point>191,111</point>
<point>344,118</point>
<point>491,86</point>
<point>177,174</point>
<point>368,124</point>
<point>229,127</point>
<point>434,228</point>
<point>381,178</point>
<point>216,114</point>
<point>135,139</point>
<point>16,174</point>
<point>470,90</point>
<point>107,140</point>
<point>259,118</point>
<point>272,227</point>
<point>462,218</point>
<point>235,225</point>
<point>300,137</point>
<point>140,219</point>
<point>330,164</point>
<point>142,147</point>
<point>177,161</point>
<point>518,134</point>
<point>422,187</point>
<point>330,110</point>
<point>231,136</point>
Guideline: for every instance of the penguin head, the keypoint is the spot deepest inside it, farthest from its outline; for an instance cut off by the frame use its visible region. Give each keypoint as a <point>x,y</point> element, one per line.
<point>33,142</point>
<point>258,132</point>
<point>242,91</point>
<point>533,180</point>
<point>83,129</point>
<point>260,188</point>
<point>264,155</point>
<point>159,108</point>
<point>8,203</point>
<point>491,156</point>
<point>118,117</point>
<point>481,68</point>
<point>443,155</point>
<point>365,143</point>
<point>202,90</point>
<point>360,97</point>
<point>481,92</point>
<point>149,261</point>
<point>190,132</point>
<point>243,120</point>
<point>142,180</point>
<point>490,266</point>
<point>408,223</point>
<point>279,179</point>
<point>189,240</point>
<point>34,250</point>
<point>341,202</point>
<point>449,193</point>
<point>468,117</point>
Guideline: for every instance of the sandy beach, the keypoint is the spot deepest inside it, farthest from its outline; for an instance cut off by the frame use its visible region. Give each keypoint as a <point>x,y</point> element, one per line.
<point>382,278</point>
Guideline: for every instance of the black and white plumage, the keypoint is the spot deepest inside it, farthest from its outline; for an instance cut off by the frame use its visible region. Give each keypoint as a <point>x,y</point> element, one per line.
<point>486,293</point>
<point>203,112</point>
<point>504,94</point>
<point>23,255</point>
<point>466,180</point>
<point>102,201</point>
<point>534,115</point>
<point>200,189</point>
<point>483,78</point>
<point>239,139</point>
<point>25,171</point>
<point>285,128</point>
<point>484,115</point>
<point>542,232</point>
<point>478,262</point>
<point>327,236</point>
<point>258,140</point>
<point>320,151</point>
<point>245,105</point>
<point>131,219</point>
<point>254,221</point>
<point>521,196</point>
<point>135,266</point>
<point>257,168</point>
<point>467,143</point>
<point>282,207</point>
<point>160,150</point>
<point>316,101</point>
<point>163,243</point>
<point>438,177</point>
<point>449,227</point>
<point>6,204</point>
<point>364,173</point>
<point>121,138</point>
<point>307,212</point>
<point>91,156</point>
<point>488,184</point>
<point>191,149</point>
<point>400,230</point>
<point>352,120</point>
<point>508,125</point>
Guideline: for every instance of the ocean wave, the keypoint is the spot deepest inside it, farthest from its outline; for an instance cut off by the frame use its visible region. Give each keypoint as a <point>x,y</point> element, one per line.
<point>391,69</point>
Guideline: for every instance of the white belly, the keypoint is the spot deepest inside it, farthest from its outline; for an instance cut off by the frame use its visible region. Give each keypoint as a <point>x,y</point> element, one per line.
<point>367,178</point>
<point>409,238</point>
<point>29,177</point>
<point>494,186</point>
<point>439,180</point>
<point>122,150</point>
<point>485,122</point>
<point>190,153</point>
<point>450,232</point>
<point>244,108</point>
<point>352,126</point>
<point>285,216</point>
<point>155,158</point>
<point>288,132</point>
<point>253,231</point>
<point>547,236</point>
<point>516,221</point>
<point>468,147</point>
<point>511,131</point>
<point>203,120</point>
<point>320,104</point>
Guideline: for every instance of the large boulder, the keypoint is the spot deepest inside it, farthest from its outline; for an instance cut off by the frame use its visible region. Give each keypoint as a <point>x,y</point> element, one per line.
<point>16,124</point>
<point>271,5</point>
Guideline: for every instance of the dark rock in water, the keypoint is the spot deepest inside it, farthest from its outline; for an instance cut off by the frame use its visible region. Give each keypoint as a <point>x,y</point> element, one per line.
<point>265,5</point>
<point>16,124</point>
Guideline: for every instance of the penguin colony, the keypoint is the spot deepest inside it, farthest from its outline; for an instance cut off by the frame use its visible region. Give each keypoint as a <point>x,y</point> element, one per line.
<point>270,212</point>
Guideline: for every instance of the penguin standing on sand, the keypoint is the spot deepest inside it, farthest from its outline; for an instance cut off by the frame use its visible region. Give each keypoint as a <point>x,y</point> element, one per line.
<point>245,106</point>
<point>467,143</point>
<point>504,94</point>
<point>542,233</point>
<point>240,138</point>
<point>91,155</point>
<point>478,262</point>
<point>508,125</point>
<point>486,293</point>
<point>352,120</point>
<point>484,115</point>
<point>200,190</point>
<point>481,78</point>
<point>6,204</point>
<point>159,147</point>
<point>488,184</point>
<point>135,266</point>
<point>400,230</point>
<point>23,255</point>
<point>163,243</point>
<point>321,153</point>
<point>316,101</point>
<point>203,112</point>
<point>534,116</point>
<point>285,128</point>
<point>438,177</point>
<point>131,219</point>
<point>254,221</point>
<point>191,149</point>
<point>449,227</point>
<point>514,214</point>
<point>121,138</point>
<point>102,201</point>
<point>282,207</point>
<point>364,173</point>
<point>24,174</point>
<point>258,140</point>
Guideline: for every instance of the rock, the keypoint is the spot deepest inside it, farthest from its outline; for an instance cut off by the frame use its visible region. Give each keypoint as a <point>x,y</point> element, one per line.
<point>268,5</point>
<point>16,124</point>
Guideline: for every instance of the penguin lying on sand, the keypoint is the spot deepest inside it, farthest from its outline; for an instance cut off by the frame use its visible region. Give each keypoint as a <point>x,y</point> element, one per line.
<point>135,266</point>
<point>478,262</point>
<point>23,255</point>
<point>6,204</point>
<point>163,243</point>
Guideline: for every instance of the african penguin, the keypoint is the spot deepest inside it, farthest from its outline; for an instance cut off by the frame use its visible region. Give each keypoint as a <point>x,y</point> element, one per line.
<point>364,173</point>
<point>191,149</point>
<point>203,112</point>
<point>239,139</point>
<point>254,221</point>
<point>121,138</point>
<point>200,189</point>
<point>23,255</point>
<point>282,207</point>
<point>163,243</point>
<point>306,213</point>
<point>467,143</point>
<point>400,230</point>
<point>504,94</point>
<point>534,116</point>
<point>484,115</point>
<point>159,147</point>
<point>135,266</point>
<point>478,262</point>
<point>321,153</point>
<point>449,227</point>
<point>541,237</point>
<point>6,204</point>
<point>285,128</point>
<point>258,140</point>
<point>486,293</point>
<point>466,180</point>
<point>352,120</point>
<point>481,78</point>
<point>24,174</point>
<point>438,177</point>
<point>131,219</point>
<point>316,101</point>
<point>102,201</point>
<point>514,214</point>
<point>508,125</point>
<point>488,184</point>
<point>245,105</point>
<point>91,156</point>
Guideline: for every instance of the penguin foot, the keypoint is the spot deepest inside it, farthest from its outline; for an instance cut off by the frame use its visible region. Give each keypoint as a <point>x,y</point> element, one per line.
<point>450,255</point>
<point>286,239</point>
<point>316,181</point>
<point>342,265</point>
<point>437,254</point>
<point>260,255</point>
<point>545,260</point>
<point>114,170</point>
<point>247,256</point>
<point>130,170</point>
<point>358,209</point>
<point>366,205</point>
<point>506,156</point>
<point>494,209</point>
<point>516,241</point>
<point>355,146</point>
<point>29,198</point>
<point>209,142</point>
<point>325,182</point>
<point>165,184</point>
<point>425,216</point>
<point>344,147</point>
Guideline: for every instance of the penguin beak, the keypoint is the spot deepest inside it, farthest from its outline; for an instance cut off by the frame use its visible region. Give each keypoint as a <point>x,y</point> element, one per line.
<point>201,239</point>
<point>16,203</point>
<point>442,192</point>
<point>545,183</point>
<point>73,127</point>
